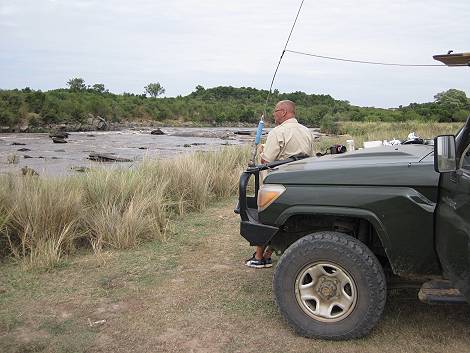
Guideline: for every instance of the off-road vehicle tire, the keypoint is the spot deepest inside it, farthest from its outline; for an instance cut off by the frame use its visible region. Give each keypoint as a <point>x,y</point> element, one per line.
<point>344,277</point>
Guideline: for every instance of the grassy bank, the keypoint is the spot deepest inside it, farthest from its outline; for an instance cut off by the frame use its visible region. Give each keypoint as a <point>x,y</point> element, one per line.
<point>45,220</point>
<point>370,131</point>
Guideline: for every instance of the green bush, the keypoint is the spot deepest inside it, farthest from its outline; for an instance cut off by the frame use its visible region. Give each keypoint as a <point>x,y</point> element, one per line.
<point>329,125</point>
<point>206,105</point>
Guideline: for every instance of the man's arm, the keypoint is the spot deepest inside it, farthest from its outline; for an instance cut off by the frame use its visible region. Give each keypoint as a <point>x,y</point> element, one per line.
<point>271,149</point>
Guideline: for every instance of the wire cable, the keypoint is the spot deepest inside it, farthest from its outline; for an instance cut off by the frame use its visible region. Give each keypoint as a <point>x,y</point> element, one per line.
<point>282,55</point>
<point>363,61</point>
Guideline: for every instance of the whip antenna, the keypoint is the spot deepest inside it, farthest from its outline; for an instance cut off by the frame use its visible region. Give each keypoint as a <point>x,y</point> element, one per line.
<point>259,131</point>
<point>282,55</point>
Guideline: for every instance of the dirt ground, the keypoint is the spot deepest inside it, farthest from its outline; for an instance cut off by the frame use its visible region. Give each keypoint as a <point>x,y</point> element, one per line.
<point>190,294</point>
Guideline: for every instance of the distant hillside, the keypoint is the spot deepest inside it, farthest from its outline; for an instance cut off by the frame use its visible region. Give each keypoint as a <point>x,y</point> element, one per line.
<point>218,105</point>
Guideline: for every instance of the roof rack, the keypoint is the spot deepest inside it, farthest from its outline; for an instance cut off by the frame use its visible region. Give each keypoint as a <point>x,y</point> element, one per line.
<point>457,59</point>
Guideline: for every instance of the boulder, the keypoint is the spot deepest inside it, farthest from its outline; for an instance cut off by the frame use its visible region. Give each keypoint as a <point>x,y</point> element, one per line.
<point>101,124</point>
<point>97,122</point>
<point>107,157</point>
<point>157,131</point>
<point>58,134</point>
<point>58,140</point>
<point>244,132</point>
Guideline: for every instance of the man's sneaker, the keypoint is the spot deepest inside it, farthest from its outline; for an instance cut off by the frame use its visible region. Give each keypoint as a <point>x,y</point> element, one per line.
<point>255,263</point>
<point>268,262</point>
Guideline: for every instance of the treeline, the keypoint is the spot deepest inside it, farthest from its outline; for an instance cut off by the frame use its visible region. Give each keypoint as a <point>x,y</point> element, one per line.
<point>219,105</point>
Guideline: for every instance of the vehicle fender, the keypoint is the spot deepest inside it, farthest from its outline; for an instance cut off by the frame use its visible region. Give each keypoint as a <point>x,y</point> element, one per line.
<point>339,211</point>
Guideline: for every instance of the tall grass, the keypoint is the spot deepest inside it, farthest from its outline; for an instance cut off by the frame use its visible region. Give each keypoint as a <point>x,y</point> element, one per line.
<point>122,207</point>
<point>44,220</point>
<point>369,131</point>
<point>42,217</point>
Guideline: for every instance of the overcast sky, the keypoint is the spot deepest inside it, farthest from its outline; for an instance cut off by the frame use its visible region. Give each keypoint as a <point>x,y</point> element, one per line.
<point>184,43</point>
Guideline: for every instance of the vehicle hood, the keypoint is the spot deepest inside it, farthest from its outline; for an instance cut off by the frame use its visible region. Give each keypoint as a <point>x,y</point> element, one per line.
<point>403,165</point>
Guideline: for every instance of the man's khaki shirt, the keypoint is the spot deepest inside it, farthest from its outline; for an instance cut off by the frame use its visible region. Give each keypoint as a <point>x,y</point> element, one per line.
<point>288,139</point>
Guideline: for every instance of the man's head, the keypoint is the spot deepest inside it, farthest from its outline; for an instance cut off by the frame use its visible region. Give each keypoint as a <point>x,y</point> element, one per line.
<point>283,111</point>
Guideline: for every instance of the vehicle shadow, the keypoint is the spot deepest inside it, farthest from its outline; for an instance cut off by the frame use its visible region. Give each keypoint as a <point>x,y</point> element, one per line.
<point>409,322</point>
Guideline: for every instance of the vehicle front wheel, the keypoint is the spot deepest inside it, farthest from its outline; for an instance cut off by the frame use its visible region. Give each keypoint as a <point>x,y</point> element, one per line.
<point>329,285</point>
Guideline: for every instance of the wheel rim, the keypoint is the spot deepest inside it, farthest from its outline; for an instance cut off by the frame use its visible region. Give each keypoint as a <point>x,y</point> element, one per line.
<point>325,291</point>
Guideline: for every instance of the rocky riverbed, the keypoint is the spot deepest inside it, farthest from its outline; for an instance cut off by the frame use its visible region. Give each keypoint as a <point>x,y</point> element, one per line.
<point>23,151</point>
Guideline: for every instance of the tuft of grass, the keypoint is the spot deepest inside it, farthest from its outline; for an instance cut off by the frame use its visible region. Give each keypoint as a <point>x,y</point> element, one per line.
<point>195,180</point>
<point>42,220</point>
<point>12,159</point>
<point>225,170</point>
<point>122,208</point>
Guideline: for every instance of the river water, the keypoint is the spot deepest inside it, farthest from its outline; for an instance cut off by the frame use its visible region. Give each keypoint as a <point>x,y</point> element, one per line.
<point>37,151</point>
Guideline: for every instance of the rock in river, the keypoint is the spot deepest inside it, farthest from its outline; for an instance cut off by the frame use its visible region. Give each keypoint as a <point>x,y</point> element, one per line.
<point>107,157</point>
<point>157,132</point>
<point>59,134</point>
<point>58,140</point>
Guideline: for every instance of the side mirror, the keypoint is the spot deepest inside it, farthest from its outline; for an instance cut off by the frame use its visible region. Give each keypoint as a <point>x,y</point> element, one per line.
<point>444,154</point>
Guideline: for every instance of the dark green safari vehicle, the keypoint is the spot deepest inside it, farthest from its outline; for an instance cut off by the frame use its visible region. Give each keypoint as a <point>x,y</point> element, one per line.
<point>348,224</point>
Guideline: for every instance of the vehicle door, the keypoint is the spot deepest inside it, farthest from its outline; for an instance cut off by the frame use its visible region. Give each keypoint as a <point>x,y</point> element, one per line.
<point>453,224</point>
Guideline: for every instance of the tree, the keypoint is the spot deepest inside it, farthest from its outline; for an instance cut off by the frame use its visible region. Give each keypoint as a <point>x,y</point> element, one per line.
<point>76,84</point>
<point>99,87</point>
<point>154,89</point>
<point>452,98</point>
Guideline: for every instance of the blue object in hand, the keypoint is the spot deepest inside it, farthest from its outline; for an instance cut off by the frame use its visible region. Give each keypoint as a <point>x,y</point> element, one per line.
<point>259,132</point>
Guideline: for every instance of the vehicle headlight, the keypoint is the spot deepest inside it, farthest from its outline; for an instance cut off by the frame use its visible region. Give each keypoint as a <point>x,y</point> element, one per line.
<point>268,193</point>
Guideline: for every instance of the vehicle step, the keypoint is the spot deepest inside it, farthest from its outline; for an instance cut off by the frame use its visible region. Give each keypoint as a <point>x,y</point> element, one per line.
<point>440,292</point>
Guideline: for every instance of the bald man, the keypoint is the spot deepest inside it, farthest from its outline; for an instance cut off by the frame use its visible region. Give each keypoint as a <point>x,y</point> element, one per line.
<point>287,139</point>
